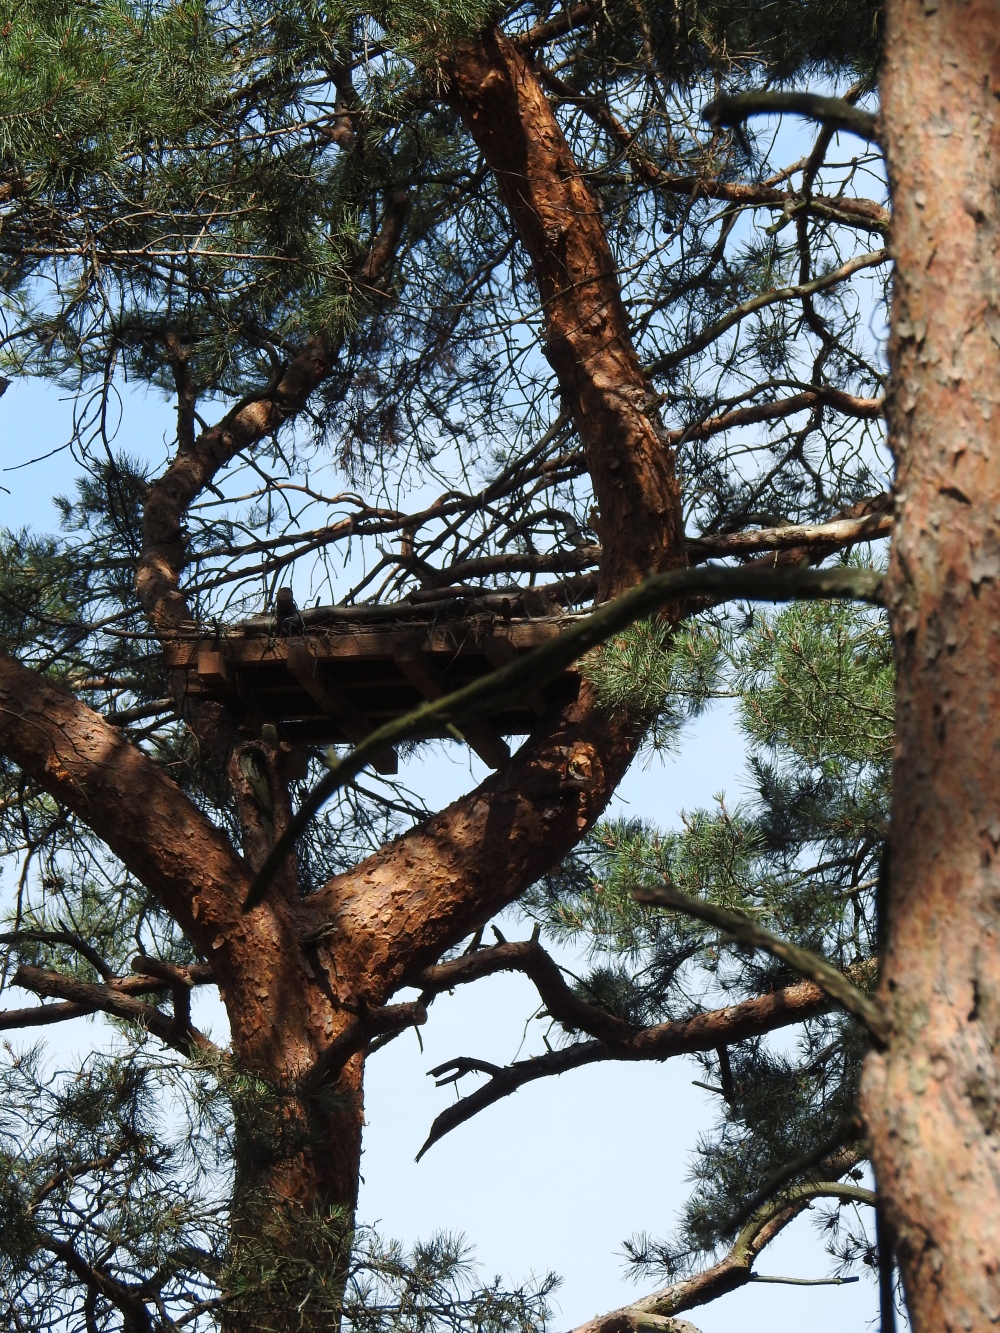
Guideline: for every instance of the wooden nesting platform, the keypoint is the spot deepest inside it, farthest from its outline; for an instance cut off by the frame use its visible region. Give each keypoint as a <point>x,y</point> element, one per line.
<point>336,681</point>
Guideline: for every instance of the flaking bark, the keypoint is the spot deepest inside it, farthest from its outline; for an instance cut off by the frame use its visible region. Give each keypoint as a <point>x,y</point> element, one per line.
<point>932,1099</point>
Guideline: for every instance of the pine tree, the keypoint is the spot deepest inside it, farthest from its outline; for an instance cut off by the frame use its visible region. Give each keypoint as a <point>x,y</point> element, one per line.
<point>370,254</point>
<point>801,856</point>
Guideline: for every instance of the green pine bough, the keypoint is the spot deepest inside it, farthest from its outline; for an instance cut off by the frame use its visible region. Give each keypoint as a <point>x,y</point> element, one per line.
<point>828,978</point>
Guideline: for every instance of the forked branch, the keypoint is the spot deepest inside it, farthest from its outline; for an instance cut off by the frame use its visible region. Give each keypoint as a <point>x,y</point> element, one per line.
<point>661,1041</point>
<point>118,998</point>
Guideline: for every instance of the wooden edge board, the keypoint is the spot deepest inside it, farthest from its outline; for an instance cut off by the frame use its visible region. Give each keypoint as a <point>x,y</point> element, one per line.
<point>452,638</point>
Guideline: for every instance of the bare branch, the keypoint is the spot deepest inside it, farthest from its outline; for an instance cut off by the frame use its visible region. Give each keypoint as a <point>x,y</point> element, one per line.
<point>529,957</point>
<point>840,533</point>
<point>68,937</point>
<point>127,799</point>
<point>734,1270</point>
<point>702,1032</point>
<point>113,998</point>
<point>386,1019</point>
<point>745,308</point>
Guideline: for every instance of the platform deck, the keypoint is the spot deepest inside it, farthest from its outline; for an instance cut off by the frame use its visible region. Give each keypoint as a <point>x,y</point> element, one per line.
<point>337,681</point>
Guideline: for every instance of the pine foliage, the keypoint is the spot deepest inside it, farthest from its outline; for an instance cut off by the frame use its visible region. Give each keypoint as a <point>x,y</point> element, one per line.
<point>799,853</point>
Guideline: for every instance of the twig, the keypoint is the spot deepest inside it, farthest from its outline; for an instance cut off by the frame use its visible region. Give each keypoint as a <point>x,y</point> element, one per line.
<point>67,937</point>
<point>806,1281</point>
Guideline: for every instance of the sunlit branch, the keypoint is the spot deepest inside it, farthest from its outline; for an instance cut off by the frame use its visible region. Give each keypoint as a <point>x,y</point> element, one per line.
<point>829,978</point>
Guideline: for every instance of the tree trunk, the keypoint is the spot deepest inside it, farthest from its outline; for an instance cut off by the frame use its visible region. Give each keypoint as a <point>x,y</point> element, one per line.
<point>298,1157</point>
<point>932,1099</point>
<point>587,336</point>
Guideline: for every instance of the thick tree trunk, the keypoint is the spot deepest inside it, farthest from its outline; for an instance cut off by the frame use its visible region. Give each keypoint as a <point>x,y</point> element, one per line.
<point>298,1137</point>
<point>932,1099</point>
<point>400,909</point>
<point>298,1158</point>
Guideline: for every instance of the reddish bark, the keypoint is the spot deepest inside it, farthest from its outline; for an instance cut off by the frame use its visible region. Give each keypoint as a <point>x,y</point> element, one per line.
<point>587,337</point>
<point>281,1021</point>
<point>128,801</point>
<point>395,913</point>
<point>932,1099</point>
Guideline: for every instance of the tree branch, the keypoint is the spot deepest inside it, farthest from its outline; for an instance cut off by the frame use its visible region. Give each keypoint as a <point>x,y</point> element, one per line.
<point>761,302</point>
<point>123,1297</point>
<point>528,957</point>
<point>128,801</point>
<point>846,1130</point>
<point>68,937</point>
<point>865,214</point>
<point>662,1041</point>
<point>829,978</point>
<point>839,533</point>
<point>114,998</point>
<point>734,1270</point>
<point>834,111</point>
<point>197,461</point>
<point>390,1018</point>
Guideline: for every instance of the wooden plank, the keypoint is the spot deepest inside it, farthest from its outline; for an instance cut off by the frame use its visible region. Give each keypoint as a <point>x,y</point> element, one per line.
<point>418,667</point>
<point>461,638</point>
<point>183,654</point>
<point>305,667</point>
<point>213,669</point>
<point>499,651</point>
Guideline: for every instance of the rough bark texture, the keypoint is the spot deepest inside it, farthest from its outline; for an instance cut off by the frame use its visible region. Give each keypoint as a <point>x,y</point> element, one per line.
<point>396,912</point>
<point>559,220</point>
<point>932,1099</point>
<point>297,1141</point>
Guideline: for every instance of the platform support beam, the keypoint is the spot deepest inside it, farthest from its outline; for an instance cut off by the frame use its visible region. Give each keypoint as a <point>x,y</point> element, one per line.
<point>499,650</point>
<point>353,721</point>
<point>421,671</point>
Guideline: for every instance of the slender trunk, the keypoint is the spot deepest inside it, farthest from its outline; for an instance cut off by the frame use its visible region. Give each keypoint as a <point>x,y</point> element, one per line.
<point>588,341</point>
<point>932,1099</point>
